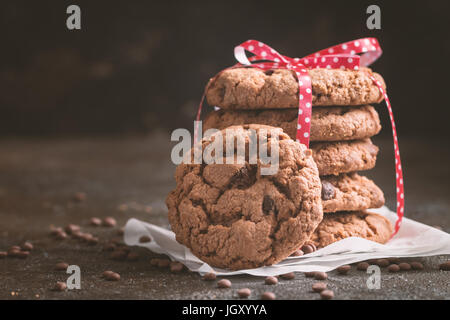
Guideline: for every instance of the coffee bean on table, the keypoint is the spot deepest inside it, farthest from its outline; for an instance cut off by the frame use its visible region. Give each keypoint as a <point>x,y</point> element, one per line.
<point>394,268</point>
<point>119,255</point>
<point>61,266</point>
<point>320,275</point>
<point>319,286</point>
<point>268,296</point>
<point>362,266</point>
<point>209,276</point>
<point>60,286</point>
<point>244,293</point>
<point>327,294</point>
<point>79,196</point>
<point>109,222</point>
<point>288,276</point>
<point>176,266</point>
<point>13,249</point>
<point>417,265</point>
<point>383,263</point>
<point>27,246</point>
<point>344,269</point>
<point>92,240</point>
<point>163,263</point>
<point>307,249</point>
<point>271,280</point>
<point>71,228</point>
<point>3,254</point>
<point>61,235</point>
<point>394,260</point>
<point>22,254</point>
<point>144,239</point>
<point>224,283</point>
<point>404,266</point>
<point>120,232</point>
<point>445,266</point>
<point>111,276</point>
<point>95,221</point>
<point>132,256</point>
<point>297,253</point>
<point>310,274</point>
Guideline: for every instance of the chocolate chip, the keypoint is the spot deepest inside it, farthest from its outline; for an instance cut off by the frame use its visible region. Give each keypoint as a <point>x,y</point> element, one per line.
<point>310,274</point>
<point>394,268</point>
<point>319,286</point>
<point>327,294</point>
<point>288,276</point>
<point>244,293</point>
<point>144,239</point>
<point>328,191</point>
<point>344,269</point>
<point>61,266</point>
<point>60,286</point>
<point>244,177</point>
<point>27,246</point>
<point>271,280</point>
<point>362,266</point>
<point>224,283</point>
<point>404,266</point>
<point>95,221</point>
<point>3,254</point>
<point>268,204</point>
<point>318,275</point>
<point>383,263</point>
<point>176,267</point>
<point>416,265</point>
<point>111,276</point>
<point>269,72</point>
<point>268,296</point>
<point>445,266</point>
<point>109,222</point>
<point>209,276</point>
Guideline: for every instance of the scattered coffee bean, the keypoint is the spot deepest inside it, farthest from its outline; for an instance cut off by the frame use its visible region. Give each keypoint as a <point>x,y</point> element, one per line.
<point>404,266</point>
<point>61,266</point>
<point>27,246</point>
<point>224,283</point>
<point>319,286</point>
<point>394,268</point>
<point>60,286</point>
<point>132,256</point>
<point>445,266</point>
<point>271,280</point>
<point>120,232</point>
<point>163,263</point>
<point>372,261</point>
<point>383,263</point>
<point>394,260</point>
<point>92,240</point>
<point>417,265</point>
<point>176,267</point>
<point>297,253</point>
<point>310,274</point>
<point>71,228</point>
<point>95,221</point>
<point>111,276</point>
<point>79,196</point>
<point>154,262</point>
<point>288,276</point>
<point>307,249</point>
<point>61,235</point>
<point>144,239</point>
<point>209,276</point>
<point>14,249</point>
<point>327,294</point>
<point>119,255</point>
<point>3,254</point>
<point>318,275</point>
<point>344,269</point>
<point>109,222</point>
<point>244,293</point>
<point>312,245</point>
<point>268,296</point>
<point>55,230</point>
<point>362,266</point>
<point>106,273</point>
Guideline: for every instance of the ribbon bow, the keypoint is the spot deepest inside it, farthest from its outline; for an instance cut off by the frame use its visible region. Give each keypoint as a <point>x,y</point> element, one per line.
<point>349,55</point>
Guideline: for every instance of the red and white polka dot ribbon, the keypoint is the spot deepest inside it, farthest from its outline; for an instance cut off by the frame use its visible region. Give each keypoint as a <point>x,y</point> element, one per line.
<point>348,55</point>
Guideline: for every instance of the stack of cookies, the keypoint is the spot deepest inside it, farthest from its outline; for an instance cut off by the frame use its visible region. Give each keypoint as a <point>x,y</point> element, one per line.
<point>343,121</point>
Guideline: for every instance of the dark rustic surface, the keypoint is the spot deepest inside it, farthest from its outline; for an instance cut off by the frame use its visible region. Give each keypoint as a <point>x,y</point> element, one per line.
<point>126,176</point>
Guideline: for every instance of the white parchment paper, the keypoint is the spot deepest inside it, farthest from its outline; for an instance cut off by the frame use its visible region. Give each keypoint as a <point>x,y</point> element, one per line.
<point>413,240</point>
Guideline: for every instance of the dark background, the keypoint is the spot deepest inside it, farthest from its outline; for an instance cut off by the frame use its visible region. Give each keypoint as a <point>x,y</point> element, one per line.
<point>140,65</point>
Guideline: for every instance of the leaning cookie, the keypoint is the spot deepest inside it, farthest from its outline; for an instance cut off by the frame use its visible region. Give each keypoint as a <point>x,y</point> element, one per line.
<point>341,225</point>
<point>344,156</point>
<point>231,216</point>
<point>327,123</point>
<point>350,192</point>
<point>253,88</point>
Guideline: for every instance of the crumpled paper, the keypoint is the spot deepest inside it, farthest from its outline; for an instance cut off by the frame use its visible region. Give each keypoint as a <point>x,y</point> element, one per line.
<point>413,240</point>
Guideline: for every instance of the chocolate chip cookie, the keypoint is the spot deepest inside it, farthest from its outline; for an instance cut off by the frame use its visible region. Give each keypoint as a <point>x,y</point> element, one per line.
<point>341,225</point>
<point>344,156</point>
<point>231,216</point>
<point>350,192</point>
<point>327,123</point>
<point>253,88</point>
